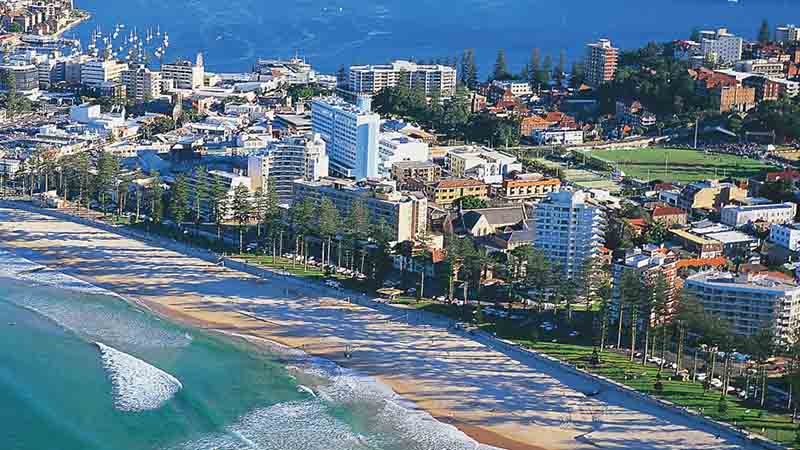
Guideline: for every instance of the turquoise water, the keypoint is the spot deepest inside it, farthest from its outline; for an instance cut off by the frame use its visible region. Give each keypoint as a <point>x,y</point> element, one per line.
<point>331,33</point>
<point>81,369</point>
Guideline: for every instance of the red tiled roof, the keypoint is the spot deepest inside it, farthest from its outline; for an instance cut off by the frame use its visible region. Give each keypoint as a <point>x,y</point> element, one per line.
<point>667,211</point>
<point>786,174</point>
<point>697,262</point>
<point>463,182</point>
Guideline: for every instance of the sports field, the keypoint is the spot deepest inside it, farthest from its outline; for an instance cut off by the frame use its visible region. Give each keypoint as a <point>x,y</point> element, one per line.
<point>679,164</point>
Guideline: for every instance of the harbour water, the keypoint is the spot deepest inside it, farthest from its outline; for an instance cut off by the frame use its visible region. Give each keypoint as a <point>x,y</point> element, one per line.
<point>81,369</point>
<point>331,33</point>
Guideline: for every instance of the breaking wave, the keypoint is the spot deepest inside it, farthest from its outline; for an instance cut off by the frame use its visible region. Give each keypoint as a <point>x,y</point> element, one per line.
<point>137,386</point>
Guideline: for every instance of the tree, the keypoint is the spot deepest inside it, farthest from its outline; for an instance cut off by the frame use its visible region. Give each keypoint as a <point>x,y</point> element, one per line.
<point>328,226</point>
<point>272,217</point>
<point>106,178</point>
<point>763,32</point>
<point>201,192</point>
<point>179,200</point>
<point>357,225</point>
<point>561,68</point>
<point>301,218</point>
<point>156,199</point>
<point>220,204</point>
<point>259,209</point>
<point>242,210</point>
<point>547,67</point>
<point>12,97</point>
<point>577,75</point>
<point>500,66</point>
<point>469,71</point>
<point>695,35</point>
<point>535,66</point>
<point>632,291</point>
<point>471,202</point>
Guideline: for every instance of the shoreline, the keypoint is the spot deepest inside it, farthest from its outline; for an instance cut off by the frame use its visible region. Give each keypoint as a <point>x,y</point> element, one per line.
<point>492,398</point>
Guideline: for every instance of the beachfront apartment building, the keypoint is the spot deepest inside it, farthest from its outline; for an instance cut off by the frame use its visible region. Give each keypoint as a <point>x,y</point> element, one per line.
<point>649,263</point>
<point>141,83</point>
<point>569,229</point>
<point>431,78</point>
<point>351,134</point>
<point>721,47</point>
<point>481,163</point>
<point>787,34</point>
<point>737,216</point>
<point>405,213</point>
<point>527,189</point>
<point>601,62</point>
<point>97,72</point>
<point>749,302</point>
<point>394,147</point>
<point>282,162</point>
<point>185,74</point>
<point>229,182</point>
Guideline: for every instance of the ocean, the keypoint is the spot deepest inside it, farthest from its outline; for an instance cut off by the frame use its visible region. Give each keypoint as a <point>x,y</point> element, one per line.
<point>82,369</point>
<point>232,34</point>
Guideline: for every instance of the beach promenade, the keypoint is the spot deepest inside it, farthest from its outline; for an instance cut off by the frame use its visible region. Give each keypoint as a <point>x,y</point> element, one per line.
<point>498,397</point>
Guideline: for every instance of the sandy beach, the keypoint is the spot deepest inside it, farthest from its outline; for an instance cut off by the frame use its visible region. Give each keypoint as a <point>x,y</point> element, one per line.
<point>504,400</point>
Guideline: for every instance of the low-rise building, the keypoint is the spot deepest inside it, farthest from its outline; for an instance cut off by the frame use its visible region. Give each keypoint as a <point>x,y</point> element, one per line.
<point>709,194</point>
<point>487,165</point>
<point>523,190</point>
<point>669,216</point>
<point>405,213</point>
<point>425,171</point>
<point>737,216</point>
<point>749,302</point>
<point>558,136</point>
<point>446,193</point>
<point>735,243</point>
<point>394,147</point>
<point>702,246</point>
<point>786,236</point>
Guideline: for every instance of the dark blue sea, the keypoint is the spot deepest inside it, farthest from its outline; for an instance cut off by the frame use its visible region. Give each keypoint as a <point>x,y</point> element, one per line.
<point>331,33</point>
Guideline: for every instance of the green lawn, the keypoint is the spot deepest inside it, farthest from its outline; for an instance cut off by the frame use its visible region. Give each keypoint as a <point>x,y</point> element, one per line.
<point>681,165</point>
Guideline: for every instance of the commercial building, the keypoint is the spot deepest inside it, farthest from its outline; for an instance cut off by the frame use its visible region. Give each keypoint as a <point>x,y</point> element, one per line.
<point>371,79</point>
<point>558,136</point>
<point>737,216</point>
<point>721,47</point>
<point>481,163</point>
<point>749,302</point>
<point>524,190</point>
<point>282,162</point>
<point>601,62</point>
<point>351,134</point>
<point>735,243</point>
<point>185,74</point>
<point>141,83</point>
<point>569,229</point>
<point>426,171</point>
<point>786,236</point>
<point>96,72</point>
<point>787,34</point>
<point>394,147</point>
<point>446,193</point>
<point>405,213</point>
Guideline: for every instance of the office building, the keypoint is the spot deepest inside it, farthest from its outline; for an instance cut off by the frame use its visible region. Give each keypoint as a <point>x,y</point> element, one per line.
<point>601,62</point>
<point>405,213</point>
<point>351,134</point>
<point>371,79</point>
<point>282,162</point>
<point>481,163</point>
<point>96,72</point>
<point>721,47</point>
<point>185,74</point>
<point>787,34</point>
<point>569,229</point>
<point>737,216</point>
<point>394,147</point>
<point>749,302</point>
<point>141,83</point>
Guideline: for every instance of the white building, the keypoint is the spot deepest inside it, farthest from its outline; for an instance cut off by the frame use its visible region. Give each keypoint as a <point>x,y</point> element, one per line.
<point>394,147</point>
<point>96,72</point>
<point>737,216</point>
<point>787,34</point>
<point>786,236</point>
<point>405,213</point>
<point>229,181</point>
<point>568,229</point>
<point>292,71</point>
<point>371,79</point>
<point>282,162</point>
<point>767,67</point>
<point>749,302</point>
<point>141,83</point>
<point>481,163</point>
<point>185,74</point>
<point>558,136</point>
<point>721,46</point>
<point>351,134</point>
<point>517,88</point>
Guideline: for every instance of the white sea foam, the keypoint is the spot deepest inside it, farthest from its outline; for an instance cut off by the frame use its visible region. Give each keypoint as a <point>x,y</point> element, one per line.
<point>137,386</point>
<point>16,266</point>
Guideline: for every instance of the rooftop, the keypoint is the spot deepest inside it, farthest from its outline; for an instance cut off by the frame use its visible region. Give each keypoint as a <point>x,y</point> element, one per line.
<point>748,281</point>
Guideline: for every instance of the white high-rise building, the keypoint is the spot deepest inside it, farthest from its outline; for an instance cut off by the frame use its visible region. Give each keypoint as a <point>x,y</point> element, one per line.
<point>749,302</point>
<point>787,34</point>
<point>569,229</point>
<point>285,161</point>
<point>721,46</point>
<point>141,83</point>
<point>351,134</point>
<point>371,79</point>
<point>395,147</point>
<point>185,74</point>
<point>96,72</point>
